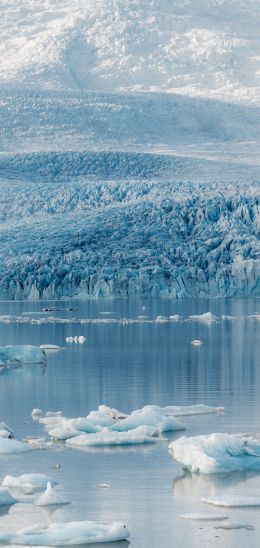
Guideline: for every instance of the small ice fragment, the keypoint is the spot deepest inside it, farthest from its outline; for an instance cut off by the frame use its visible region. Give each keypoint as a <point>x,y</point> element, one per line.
<point>196,342</point>
<point>54,414</point>
<point>204,517</point>
<point>36,481</point>
<point>174,318</point>
<point>50,347</point>
<point>233,501</point>
<point>81,339</point>
<point>75,339</point>
<point>69,339</point>
<point>161,319</point>
<point>6,499</point>
<point>67,534</point>
<point>235,525</point>
<point>56,466</point>
<point>50,497</point>
<point>11,446</point>
<point>36,413</point>
<point>207,317</point>
<point>104,485</point>
<point>7,429</point>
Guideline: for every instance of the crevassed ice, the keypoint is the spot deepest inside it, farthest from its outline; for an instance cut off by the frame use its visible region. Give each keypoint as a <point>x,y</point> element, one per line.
<point>215,453</point>
<point>64,533</point>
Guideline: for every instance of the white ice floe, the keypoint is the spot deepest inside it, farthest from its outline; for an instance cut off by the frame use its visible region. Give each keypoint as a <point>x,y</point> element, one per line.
<point>36,413</point>
<point>106,419</point>
<point>103,485</point>
<point>11,446</point>
<point>13,355</point>
<point>5,431</point>
<point>235,525</point>
<point>211,454</point>
<point>50,347</point>
<point>81,339</point>
<point>207,317</point>
<point>140,435</point>
<point>196,342</point>
<point>161,319</point>
<point>67,533</point>
<point>69,339</point>
<point>6,499</point>
<point>204,517</point>
<point>150,415</point>
<point>50,497</point>
<point>174,317</point>
<point>232,501</point>
<point>35,481</point>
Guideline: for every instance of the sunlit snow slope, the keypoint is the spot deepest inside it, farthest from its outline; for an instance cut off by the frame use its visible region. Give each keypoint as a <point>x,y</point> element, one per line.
<point>129,151</point>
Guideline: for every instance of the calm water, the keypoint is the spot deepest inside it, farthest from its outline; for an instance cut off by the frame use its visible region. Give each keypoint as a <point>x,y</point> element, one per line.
<point>128,366</point>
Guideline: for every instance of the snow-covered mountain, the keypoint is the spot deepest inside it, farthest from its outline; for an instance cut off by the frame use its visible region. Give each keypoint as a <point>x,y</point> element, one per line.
<point>196,47</point>
<point>129,159</point>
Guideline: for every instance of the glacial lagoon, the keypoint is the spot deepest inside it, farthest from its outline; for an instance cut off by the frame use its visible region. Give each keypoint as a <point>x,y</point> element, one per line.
<point>133,356</point>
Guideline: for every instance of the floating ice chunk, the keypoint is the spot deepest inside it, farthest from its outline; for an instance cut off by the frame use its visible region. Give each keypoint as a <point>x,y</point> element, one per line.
<point>50,347</point>
<point>54,414</point>
<point>189,410</point>
<point>81,339</point>
<point>67,534</point>
<point>6,499</point>
<point>235,525</point>
<point>104,485</point>
<point>196,342</point>
<point>12,355</point>
<point>217,453</point>
<point>174,317</point>
<point>140,435</point>
<point>232,501</point>
<point>10,446</point>
<point>69,339</point>
<point>36,481</point>
<point>111,412</point>
<point>204,517</point>
<point>207,317</point>
<point>50,497</point>
<point>5,431</point>
<point>150,415</point>
<point>161,319</point>
<point>36,413</point>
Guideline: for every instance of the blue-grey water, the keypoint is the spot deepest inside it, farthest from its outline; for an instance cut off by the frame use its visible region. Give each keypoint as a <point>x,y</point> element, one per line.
<point>127,366</point>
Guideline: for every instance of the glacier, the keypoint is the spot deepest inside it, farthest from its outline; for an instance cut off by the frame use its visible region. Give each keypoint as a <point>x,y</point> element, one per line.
<point>129,159</point>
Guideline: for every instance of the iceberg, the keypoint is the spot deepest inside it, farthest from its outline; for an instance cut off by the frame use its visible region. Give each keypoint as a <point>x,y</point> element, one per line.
<point>50,497</point>
<point>15,355</point>
<point>137,436</point>
<point>67,534</point>
<point>11,446</point>
<point>6,499</point>
<point>5,431</point>
<point>217,453</point>
<point>35,481</point>
<point>106,419</point>
<point>232,501</point>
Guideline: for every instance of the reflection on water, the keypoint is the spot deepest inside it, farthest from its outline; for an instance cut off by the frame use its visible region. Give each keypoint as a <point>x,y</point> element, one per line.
<point>128,366</point>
